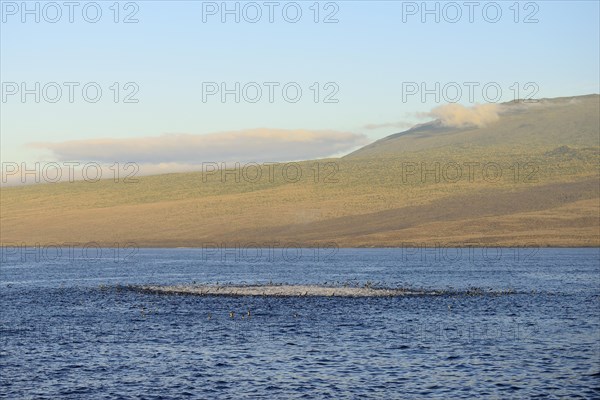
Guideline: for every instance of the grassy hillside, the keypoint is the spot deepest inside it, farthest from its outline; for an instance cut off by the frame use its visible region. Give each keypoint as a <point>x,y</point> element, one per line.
<point>547,195</point>
<point>522,127</point>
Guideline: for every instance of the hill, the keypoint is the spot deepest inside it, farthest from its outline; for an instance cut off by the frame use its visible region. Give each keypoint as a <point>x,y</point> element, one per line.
<point>531,178</point>
<point>544,123</point>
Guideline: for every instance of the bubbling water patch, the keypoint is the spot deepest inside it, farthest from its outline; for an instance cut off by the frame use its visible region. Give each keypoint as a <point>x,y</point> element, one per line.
<point>286,290</point>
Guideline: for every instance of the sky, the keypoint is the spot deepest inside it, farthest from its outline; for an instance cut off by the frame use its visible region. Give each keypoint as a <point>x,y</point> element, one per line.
<point>174,84</point>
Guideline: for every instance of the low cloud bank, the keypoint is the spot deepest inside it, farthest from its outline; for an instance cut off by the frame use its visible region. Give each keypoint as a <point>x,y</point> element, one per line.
<point>169,150</point>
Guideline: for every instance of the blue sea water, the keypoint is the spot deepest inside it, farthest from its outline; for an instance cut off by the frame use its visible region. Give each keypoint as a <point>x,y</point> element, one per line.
<point>71,328</point>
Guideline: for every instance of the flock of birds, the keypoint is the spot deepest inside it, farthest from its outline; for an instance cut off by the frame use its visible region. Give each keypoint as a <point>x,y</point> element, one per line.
<point>470,292</point>
<point>144,311</point>
<point>232,315</point>
<point>247,315</point>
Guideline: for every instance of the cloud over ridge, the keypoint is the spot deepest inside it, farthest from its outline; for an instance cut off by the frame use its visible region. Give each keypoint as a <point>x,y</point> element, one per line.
<point>459,116</point>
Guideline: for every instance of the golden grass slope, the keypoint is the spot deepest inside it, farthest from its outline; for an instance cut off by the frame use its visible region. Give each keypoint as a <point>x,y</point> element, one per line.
<point>547,195</point>
<point>369,205</point>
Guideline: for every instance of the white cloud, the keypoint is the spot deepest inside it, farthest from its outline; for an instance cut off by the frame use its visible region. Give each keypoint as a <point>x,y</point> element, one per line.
<point>459,116</point>
<point>168,150</point>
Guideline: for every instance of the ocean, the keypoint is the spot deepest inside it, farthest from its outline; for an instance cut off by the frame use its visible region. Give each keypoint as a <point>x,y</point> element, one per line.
<point>72,328</point>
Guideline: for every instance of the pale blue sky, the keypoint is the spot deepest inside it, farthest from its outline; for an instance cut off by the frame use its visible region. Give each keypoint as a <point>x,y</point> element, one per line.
<point>369,53</point>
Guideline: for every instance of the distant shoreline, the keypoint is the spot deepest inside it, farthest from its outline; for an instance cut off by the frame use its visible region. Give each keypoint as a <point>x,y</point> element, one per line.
<point>300,246</point>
